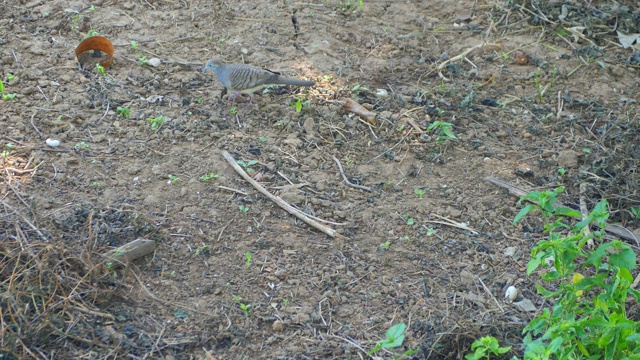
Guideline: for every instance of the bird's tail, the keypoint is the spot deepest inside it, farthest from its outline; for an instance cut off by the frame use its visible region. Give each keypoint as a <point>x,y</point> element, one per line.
<point>288,81</point>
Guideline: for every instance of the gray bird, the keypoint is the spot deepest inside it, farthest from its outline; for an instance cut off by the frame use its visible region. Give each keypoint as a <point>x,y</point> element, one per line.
<point>246,79</point>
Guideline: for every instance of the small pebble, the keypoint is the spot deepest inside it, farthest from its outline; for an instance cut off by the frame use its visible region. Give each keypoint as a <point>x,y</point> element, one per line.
<point>53,142</point>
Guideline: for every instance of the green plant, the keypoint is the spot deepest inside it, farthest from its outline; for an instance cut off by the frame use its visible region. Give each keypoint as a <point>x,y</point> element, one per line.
<point>246,308</point>
<point>408,218</point>
<point>443,130</point>
<point>208,177</point>
<point>419,192</point>
<point>90,33</point>
<point>95,184</point>
<point>394,338</point>
<point>243,208</point>
<point>431,231</point>
<point>262,139</point>
<point>143,60</point>
<point>123,111</point>
<point>247,165</point>
<point>233,110</point>
<point>484,347</point>
<point>589,291</point>
<point>100,69</point>
<point>173,179</point>
<point>635,211</point>
<point>157,121</point>
<point>82,145</point>
<point>10,77</point>
<point>562,171</point>
<point>299,103</point>
<point>385,245</point>
<point>5,96</point>
<point>134,44</point>
<point>248,256</point>
<point>204,250</point>
<point>7,149</point>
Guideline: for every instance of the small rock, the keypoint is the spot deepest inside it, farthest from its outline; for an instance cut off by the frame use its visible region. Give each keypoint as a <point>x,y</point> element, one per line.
<point>525,305</point>
<point>155,62</point>
<point>28,90</point>
<point>510,251</point>
<point>278,326</point>
<point>568,159</point>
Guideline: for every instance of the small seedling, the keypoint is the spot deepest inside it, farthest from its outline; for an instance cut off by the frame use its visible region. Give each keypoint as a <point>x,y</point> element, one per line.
<point>10,77</point>
<point>285,302</point>
<point>173,179</point>
<point>203,250</point>
<point>59,118</point>
<point>443,130</point>
<point>7,149</point>
<point>208,177</point>
<point>199,100</point>
<point>394,338</point>
<point>100,69</point>
<point>82,145</point>
<point>5,96</point>
<point>246,308</point>
<point>233,110</point>
<point>243,208</point>
<point>431,231</point>
<point>248,262</point>
<point>385,245</point>
<point>247,165</point>
<point>408,218</point>
<point>484,347</point>
<point>562,171</point>
<point>92,8</point>
<point>123,112</point>
<point>143,60</point>
<point>134,44</point>
<point>419,192</point>
<point>181,314</point>
<point>586,151</point>
<point>299,103</point>
<point>635,211</point>
<point>157,121</point>
<point>262,139</point>
<point>95,184</point>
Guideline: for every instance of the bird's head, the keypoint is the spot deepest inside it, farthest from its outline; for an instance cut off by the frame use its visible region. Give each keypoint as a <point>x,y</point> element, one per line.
<point>212,65</point>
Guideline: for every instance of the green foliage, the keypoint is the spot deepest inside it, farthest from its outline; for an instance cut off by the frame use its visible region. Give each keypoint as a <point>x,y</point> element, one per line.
<point>143,60</point>
<point>246,308</point>
<point>443,130</point>
<point>588,289</point>
<point>134,44</point>
<point>247,165</point>
<point>173,179</point>
<point>394,338</point>
<point>100,69</point>
<point>243,208</point>
<point>248,256</point>
<point>419,192</point>
<point>123,111</point>
<point>484,347</point>
<point>5,96</point>
<point>157,121</point>
<point>7,149</point>
<point>300,103</point>
<point>207,177</point>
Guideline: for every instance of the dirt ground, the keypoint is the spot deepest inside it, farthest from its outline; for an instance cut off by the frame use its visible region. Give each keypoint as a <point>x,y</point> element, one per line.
<point>430,244</point>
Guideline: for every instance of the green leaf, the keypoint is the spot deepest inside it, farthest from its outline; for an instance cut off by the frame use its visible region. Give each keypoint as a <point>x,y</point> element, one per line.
<point>625,258</point>
<point>565,211</point>
<point>525,210</point>
<point>1,87</point>
<point>180,314</point>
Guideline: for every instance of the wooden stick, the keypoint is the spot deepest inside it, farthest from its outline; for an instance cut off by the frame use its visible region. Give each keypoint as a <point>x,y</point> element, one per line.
<point>283,204</point>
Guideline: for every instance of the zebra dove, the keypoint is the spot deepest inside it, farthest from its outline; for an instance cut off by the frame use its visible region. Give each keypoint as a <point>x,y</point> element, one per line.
<point>246,79</point>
